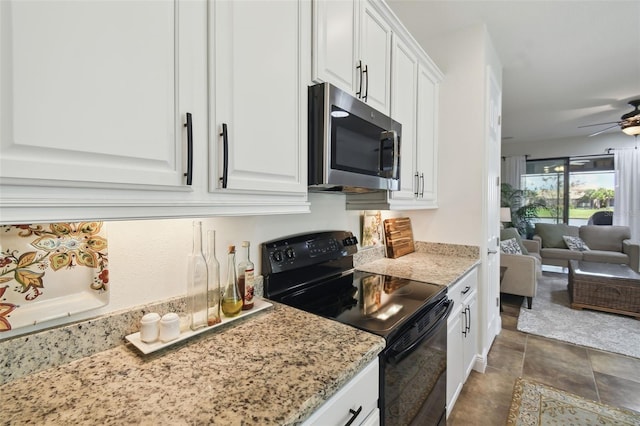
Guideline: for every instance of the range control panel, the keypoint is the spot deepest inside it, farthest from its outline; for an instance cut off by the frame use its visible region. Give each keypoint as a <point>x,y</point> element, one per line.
<point>303,250</point>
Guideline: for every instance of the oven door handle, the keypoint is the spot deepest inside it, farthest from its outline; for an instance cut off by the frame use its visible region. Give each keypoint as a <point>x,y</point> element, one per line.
<point>397,357</point>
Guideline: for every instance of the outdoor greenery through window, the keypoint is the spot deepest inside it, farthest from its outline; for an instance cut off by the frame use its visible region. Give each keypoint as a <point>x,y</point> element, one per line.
<point>572,189</point>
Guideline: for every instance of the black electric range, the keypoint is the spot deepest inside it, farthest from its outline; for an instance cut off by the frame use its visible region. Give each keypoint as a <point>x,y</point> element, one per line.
<point>314,272</point>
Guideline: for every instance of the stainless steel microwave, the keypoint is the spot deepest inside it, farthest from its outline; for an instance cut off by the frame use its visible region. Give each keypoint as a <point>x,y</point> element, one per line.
<point>353,148</point>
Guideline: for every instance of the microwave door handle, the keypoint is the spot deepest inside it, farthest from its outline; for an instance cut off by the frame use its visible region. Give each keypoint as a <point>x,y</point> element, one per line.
<point>396,155</point>
<point>393,135</point>
<point>384,136</point>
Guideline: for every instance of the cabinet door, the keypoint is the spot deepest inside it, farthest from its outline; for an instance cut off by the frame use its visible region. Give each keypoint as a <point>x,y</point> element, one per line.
<point>403,110</point>
<point>427,136</point>
<point>454,358</point>
<point>375,53</point>
<point>373,419</point>
<point>260,71</point>
<point>334,43</point>
<point>90,96</point>
<point>471,336</point>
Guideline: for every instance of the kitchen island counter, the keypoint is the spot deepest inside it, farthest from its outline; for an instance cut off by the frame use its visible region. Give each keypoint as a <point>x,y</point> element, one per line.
<point>274,368</point>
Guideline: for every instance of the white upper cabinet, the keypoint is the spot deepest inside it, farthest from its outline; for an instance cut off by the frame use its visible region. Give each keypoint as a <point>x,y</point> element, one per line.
<point>95,97</point>
<point>94,107</point>
<point>375,53</point>
<point>415,81</point>
<point>259,74</point>
<point>403,109</point>
<point>90,96</point>
<point>335,39</point>
<point>352,49</point>
<point>414,104</point>
<point>427,135</point>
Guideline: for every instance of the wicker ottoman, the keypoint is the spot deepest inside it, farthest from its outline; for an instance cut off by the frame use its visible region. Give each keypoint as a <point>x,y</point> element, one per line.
<point>605,287</point>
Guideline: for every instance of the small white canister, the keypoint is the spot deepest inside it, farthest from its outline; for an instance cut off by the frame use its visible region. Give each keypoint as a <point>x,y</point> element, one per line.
<point>169,327</point>
<point>150,327</point>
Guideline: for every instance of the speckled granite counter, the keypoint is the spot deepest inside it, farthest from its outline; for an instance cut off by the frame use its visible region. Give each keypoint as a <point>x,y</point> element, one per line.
<point>442,264</point>
<point>277,367</point>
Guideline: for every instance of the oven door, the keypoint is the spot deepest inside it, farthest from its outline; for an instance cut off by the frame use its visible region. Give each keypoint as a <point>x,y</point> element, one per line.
<point>414,374</point>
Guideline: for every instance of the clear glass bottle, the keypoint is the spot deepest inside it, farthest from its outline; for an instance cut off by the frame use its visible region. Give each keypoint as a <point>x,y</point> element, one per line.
<point>246,278</point>
<point>197,281</point>
<point>232,298</point>
<point>213,274</point>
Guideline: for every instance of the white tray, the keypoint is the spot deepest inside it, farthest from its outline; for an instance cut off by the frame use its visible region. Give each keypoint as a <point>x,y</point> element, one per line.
<point>147,348</point>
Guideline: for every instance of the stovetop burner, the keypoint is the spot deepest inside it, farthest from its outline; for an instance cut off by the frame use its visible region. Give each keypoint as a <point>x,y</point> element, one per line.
<point>376,303</point>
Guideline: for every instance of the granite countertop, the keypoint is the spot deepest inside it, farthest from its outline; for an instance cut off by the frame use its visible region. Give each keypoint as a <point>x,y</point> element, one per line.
<point>442,269</point>
<point>276,367</point>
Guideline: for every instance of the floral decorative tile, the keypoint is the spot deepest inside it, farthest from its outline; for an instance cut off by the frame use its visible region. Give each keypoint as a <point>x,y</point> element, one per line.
<point>52,270</point>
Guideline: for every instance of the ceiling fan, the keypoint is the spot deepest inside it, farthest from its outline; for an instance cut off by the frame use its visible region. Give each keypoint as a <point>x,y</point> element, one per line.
<point>629,123</point>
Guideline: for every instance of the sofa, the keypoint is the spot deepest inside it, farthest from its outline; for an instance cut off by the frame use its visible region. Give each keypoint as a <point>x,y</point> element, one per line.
<point>523,270</point>
<point>560,243</point>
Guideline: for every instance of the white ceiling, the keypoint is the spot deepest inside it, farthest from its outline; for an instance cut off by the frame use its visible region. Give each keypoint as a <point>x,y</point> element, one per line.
<point>566,63</point>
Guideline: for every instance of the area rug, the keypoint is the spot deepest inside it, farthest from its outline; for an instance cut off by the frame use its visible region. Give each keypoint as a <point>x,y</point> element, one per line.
<point>536,404</point>
<point>552,317</point>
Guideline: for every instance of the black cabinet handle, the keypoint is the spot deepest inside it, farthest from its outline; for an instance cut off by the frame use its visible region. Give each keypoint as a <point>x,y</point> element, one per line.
<point>466,290</point>
<point>464,326</point>
<point>225,154</point>
<point>189,126</point>
<point>354,414</point>
<point>421,185</point>
<point>359,92</point>
<point>366,86</point>
<point>417,182</point>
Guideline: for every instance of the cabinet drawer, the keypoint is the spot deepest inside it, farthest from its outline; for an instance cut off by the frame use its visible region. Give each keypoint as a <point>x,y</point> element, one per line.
<point>361,393</point>
<point>464,287</point>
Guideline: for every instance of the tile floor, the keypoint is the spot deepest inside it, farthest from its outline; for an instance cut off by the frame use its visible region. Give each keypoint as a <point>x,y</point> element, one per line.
<point>601,376</point>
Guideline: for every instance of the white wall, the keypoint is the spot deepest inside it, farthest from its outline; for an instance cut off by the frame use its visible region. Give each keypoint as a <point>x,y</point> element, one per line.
<point>152,254</point>
<point>458,220</point>
<point>148,258</point>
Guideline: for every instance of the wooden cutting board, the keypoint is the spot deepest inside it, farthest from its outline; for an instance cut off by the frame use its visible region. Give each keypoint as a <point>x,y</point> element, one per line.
<point>398,237</point>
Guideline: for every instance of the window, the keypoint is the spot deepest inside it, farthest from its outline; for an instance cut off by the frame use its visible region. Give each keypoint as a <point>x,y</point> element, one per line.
<point>572,188</point>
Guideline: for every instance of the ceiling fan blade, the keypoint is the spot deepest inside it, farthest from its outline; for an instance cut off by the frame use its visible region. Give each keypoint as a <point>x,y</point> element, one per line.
<point>599,124</point>
<point>601,131</point>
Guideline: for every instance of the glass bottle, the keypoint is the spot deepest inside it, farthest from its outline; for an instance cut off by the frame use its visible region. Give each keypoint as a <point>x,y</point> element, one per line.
<point>246,278</point>
<point>197,281</point>
<point>232,298</point>
<point>213,274</point>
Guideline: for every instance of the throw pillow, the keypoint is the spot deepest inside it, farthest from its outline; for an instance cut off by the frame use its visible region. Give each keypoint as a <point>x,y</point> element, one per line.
<point>508,233</point>
<point>574,243</point>
<point>510,246</point>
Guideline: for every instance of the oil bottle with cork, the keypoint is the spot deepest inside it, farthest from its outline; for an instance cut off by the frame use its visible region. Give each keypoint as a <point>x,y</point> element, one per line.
<point>232,298</point>
<point>246,276</point>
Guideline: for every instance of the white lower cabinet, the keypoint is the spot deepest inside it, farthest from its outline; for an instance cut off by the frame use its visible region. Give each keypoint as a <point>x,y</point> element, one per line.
<point>357,400</point>
<point>462,335</point>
